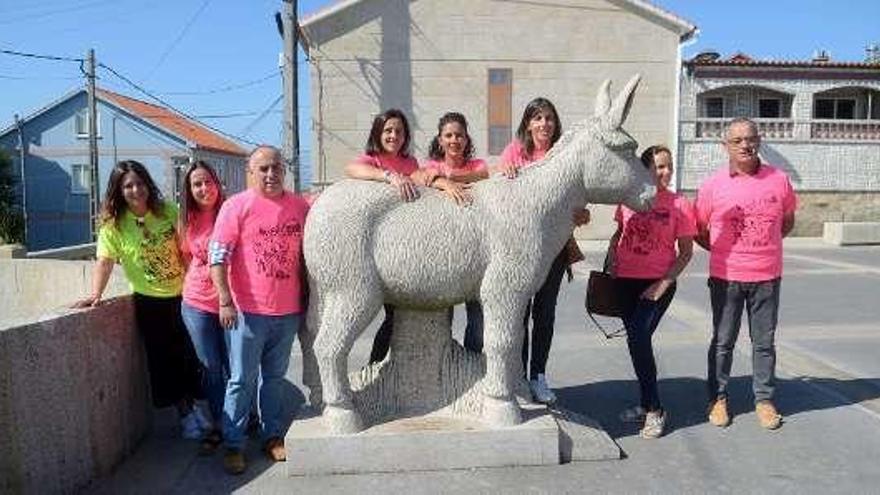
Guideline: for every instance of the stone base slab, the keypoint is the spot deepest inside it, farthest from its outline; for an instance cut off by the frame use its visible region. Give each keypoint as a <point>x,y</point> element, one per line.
<point>439,441</point>
<point>851,233</point>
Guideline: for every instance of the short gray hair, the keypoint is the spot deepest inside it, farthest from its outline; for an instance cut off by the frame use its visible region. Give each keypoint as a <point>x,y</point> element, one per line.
<point>741,120</point>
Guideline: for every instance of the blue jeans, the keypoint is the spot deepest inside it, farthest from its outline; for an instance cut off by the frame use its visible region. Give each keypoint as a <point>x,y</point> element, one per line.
<point>640,318</point>
<point>259,349</point>
<point>209,341</point>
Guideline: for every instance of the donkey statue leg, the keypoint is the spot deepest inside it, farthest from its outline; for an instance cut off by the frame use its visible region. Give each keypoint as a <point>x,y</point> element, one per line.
<point>344,316</point>
<point>311,377</point>
<point>502,313</point>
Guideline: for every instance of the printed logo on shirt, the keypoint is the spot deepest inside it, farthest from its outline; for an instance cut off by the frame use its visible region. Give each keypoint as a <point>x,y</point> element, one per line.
<point>751,225</point>
<point>641,236</point>
<point>159,255</point>
<point>272,249</point>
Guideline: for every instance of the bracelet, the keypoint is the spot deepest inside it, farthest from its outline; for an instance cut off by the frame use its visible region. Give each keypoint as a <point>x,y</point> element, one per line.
<point>226,305</point>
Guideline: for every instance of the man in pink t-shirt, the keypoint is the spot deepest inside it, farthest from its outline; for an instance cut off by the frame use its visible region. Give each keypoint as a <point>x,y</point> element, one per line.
<point>743,212</point>
<point>257,266</point>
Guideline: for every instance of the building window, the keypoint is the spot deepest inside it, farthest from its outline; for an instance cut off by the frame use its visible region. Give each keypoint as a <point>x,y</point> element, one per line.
<point>81,124</point>
<point>834,108</point>
<point>80,179</point>
<point>769,108</point>
<point>498,109</point>
<point>714,107</point>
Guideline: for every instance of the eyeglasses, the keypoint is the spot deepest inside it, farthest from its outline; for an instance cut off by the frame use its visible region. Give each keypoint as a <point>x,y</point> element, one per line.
<point>739,141</point>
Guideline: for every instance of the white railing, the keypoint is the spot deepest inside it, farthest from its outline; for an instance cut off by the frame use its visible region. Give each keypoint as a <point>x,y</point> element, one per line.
<point>767,128</point>
<point>854,130</point>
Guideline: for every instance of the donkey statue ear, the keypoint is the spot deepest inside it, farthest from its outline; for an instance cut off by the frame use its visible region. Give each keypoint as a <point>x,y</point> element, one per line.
<point>603,99</point>
<point>623,102</point>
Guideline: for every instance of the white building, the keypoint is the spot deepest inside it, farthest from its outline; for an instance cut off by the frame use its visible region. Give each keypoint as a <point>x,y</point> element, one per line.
<point>820,122</point>
<point>486,59</point>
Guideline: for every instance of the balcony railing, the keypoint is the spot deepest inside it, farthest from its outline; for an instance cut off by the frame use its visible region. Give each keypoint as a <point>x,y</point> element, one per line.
<point>767,128</point>
<point>784,129</point>
<point>851,130</point>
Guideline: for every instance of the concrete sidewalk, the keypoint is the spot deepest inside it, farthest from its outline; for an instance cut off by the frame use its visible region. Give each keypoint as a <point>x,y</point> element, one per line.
<point>829,392</point>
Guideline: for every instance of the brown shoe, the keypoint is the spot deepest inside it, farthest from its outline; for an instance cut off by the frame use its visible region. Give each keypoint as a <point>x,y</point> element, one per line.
<point>767,414</point>
<point>233,461</point>
<point>718,415</point>
<point>275,449</point>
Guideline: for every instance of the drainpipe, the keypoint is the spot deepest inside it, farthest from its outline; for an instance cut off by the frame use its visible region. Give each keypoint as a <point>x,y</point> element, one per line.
<point>22,153</point>
<point>676,113</point>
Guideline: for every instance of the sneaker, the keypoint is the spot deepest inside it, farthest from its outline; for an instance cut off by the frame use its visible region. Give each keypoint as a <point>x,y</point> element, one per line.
<point>204,423</point>
<point>189,427</point>
<point>718,415</point>
<point>541,391</point>
<point>274,449</point>
<point>233,461</point>
<point>634,414</point>
<point>655,421</point>
<point>767,414</point>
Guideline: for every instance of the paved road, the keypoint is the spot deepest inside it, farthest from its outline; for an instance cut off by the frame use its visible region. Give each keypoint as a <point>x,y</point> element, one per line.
<point>829,391</point>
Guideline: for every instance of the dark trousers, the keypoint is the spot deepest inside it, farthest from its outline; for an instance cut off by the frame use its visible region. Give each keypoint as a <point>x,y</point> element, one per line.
<point>175,373</point>
<point>761,300</point>
<point>473,332</point>
<point>542,309</point>
<point>640,318</point>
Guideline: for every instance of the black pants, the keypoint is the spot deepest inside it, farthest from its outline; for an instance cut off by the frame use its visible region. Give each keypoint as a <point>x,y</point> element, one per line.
<point>542,309</point>
<point>175,373</point>
<point>640,318</point>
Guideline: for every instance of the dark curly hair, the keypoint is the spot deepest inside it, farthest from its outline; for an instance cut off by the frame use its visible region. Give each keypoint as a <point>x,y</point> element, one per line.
<point>435,152</point>
<point>652,151</point>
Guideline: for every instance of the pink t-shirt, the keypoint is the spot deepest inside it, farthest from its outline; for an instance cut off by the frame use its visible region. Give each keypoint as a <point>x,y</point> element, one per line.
<point>198,289</point>
<point>646,248</point>
<point>744,216</point>
<point>515,153</point>
<point>404,165</point>
<point>472,165</point>
<point>266,265</point>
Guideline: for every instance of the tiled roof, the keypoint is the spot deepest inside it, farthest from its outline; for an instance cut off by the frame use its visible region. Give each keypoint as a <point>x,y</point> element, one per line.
<point>743,60</point>
<point>194,133</point>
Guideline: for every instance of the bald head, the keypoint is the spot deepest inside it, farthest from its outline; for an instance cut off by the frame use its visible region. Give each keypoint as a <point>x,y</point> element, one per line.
<point>265,165</point>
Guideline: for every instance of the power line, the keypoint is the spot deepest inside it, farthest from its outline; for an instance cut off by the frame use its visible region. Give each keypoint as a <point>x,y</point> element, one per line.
<point>225,89</point>
<point>171,107</point>
<point>177,40</point>
<point>44,57</point>
<point>247,130</point>
<point>55,11</point>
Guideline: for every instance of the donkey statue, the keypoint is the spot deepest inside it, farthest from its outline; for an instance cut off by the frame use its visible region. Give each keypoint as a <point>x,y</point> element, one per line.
<point>364,247</point>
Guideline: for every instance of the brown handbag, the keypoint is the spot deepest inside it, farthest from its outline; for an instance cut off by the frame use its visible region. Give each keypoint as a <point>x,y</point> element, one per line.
<point>603,298</point>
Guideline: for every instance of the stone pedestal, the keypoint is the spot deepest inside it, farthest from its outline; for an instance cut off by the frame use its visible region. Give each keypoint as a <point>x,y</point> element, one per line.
<point>422,408</point>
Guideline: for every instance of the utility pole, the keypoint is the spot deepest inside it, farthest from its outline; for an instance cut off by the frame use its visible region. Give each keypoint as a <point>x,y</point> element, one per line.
<point>93,145</point>
<point>290,34</point>
<point>22,155</point>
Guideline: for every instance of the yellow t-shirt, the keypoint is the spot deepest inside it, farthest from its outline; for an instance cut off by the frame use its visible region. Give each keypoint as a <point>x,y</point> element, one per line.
<point>148,251</point>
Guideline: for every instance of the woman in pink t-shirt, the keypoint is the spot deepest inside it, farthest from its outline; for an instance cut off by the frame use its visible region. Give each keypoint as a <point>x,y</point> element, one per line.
<point>643,258</point>
<point>452,167</point>
<point>386,155</point>
<point>387,159</point>
<point>538,131</point>
<point>203,196</point>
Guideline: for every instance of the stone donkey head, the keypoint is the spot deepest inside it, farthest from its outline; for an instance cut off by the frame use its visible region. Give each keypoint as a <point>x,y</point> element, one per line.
<point>365,247</point>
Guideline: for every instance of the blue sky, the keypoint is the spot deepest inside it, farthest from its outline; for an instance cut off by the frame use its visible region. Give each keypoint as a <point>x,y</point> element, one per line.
<point>226,51</point>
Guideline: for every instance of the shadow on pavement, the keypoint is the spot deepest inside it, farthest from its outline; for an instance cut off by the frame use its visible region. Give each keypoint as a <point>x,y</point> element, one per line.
<point>685,399</point>
<point>164,463</point>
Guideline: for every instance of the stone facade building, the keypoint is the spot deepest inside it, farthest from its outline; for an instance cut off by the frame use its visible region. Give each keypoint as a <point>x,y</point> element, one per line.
<point>486,59</point>
<point>819,119</point>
